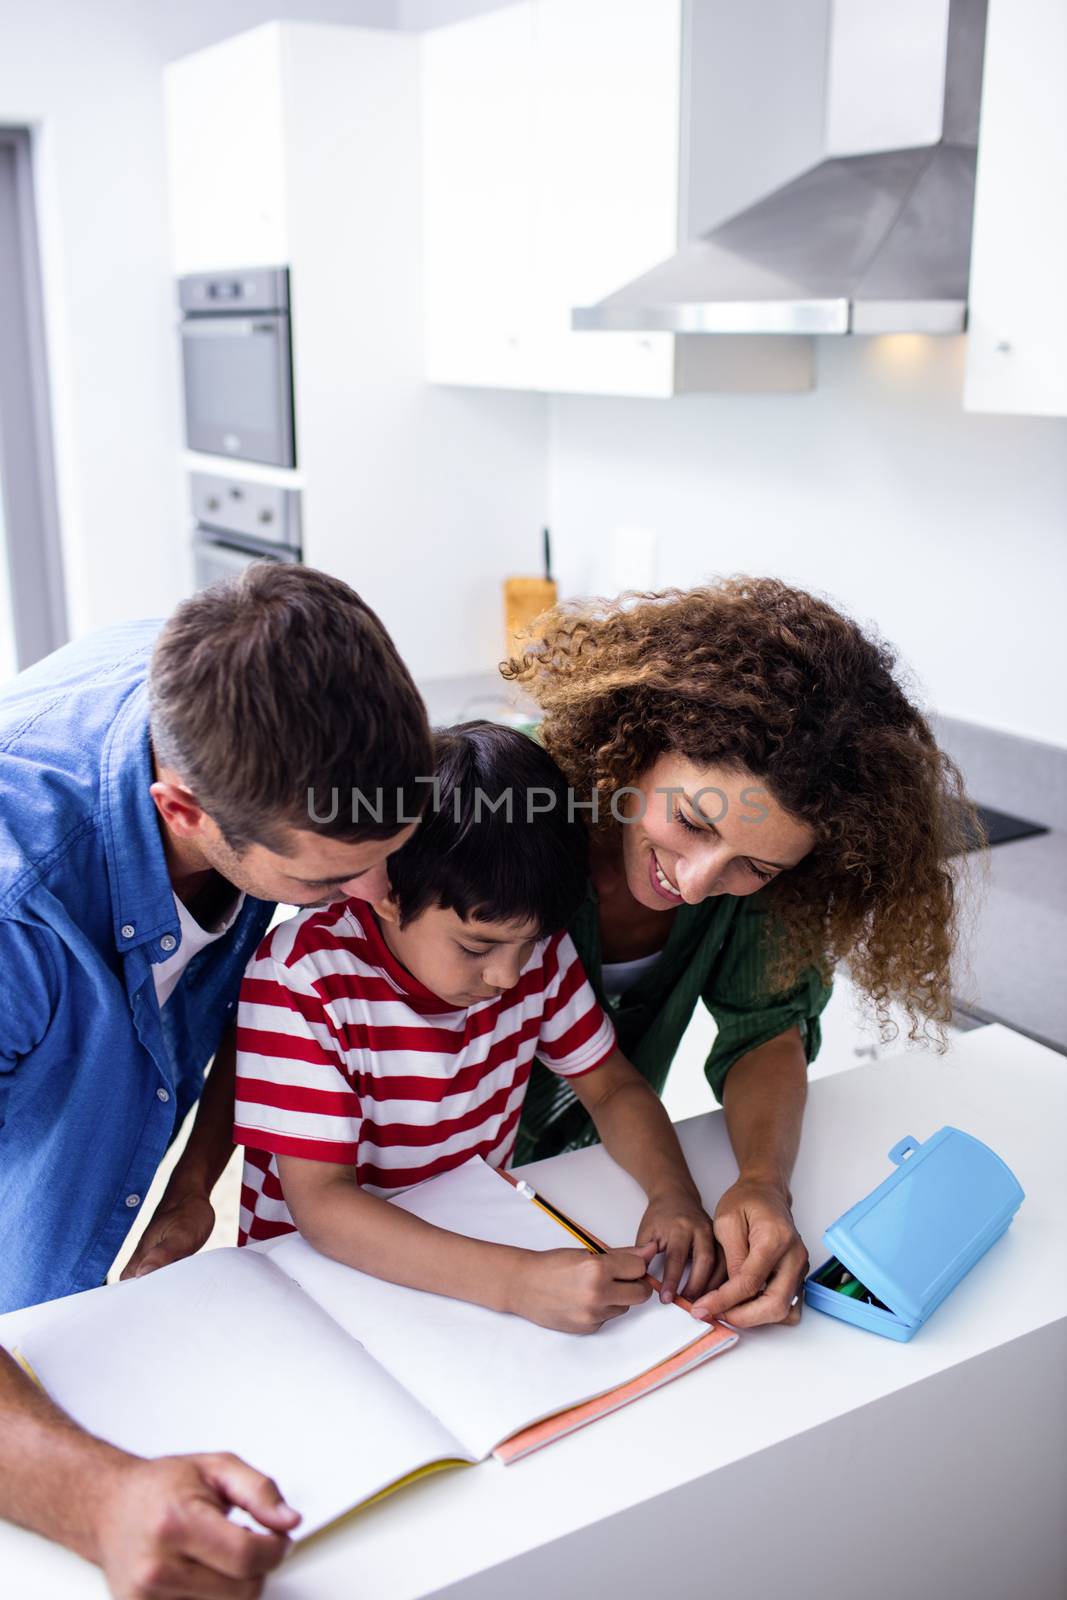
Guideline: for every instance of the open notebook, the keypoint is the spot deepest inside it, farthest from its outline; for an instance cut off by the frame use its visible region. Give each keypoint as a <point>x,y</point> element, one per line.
<point>341,1386</point>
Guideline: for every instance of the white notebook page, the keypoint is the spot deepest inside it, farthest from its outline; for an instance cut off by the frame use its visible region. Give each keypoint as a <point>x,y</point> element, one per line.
<point>223,1352</point>
<point>482,1373</point>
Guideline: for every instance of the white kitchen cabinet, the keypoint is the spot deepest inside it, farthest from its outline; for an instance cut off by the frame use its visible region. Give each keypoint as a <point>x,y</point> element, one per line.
<point>605,200</point>
<point>478,241</point>
<point>299,144</point>
<point>551,139</point>
<point>1017,318</point>
<point>226,155</point>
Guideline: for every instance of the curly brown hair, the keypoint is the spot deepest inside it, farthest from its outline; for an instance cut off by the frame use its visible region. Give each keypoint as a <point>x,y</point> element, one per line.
<point>752,674</point>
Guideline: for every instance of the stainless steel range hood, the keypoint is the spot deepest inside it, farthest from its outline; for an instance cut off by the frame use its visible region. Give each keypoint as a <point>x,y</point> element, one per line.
<point>875,237</point>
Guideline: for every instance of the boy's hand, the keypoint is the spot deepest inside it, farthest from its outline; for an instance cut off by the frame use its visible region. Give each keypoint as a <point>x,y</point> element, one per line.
<point>576,1292</point>
<point>677,1224</point>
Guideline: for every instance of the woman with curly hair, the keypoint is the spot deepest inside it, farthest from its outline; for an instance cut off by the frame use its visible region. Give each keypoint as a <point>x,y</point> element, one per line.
<point>765,801</point>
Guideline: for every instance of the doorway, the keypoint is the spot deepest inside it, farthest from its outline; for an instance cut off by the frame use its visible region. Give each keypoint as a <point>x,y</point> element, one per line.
<point>33,614</point>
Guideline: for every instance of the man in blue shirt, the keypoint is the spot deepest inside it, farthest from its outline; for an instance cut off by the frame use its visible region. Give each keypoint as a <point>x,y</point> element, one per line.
<point>160,791</point>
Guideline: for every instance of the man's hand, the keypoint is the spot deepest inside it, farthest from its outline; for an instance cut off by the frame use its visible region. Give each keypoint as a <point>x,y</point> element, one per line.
<point>765,1261</point>
<point>676,1222</point>
<point>181,1225</point>
<point>184,1218</point>
<point>576,1292</point>
<point>160,1528</point>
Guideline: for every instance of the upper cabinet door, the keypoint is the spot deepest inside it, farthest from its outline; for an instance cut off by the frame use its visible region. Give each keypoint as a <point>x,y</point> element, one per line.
<point>551,140</point>
<point>607,95</point>
<point>478,140</point>
<point>226,154</point>
<point>1017,320</point>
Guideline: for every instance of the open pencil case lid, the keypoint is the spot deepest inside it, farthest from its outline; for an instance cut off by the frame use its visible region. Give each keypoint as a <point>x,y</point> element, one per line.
<point>914,1237</point>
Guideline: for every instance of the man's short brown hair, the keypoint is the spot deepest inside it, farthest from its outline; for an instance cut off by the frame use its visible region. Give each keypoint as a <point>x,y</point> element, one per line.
<point>275,689</point>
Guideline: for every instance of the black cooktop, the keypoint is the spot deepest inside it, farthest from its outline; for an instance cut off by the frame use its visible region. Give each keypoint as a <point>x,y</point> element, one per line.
<point>1000,828</point>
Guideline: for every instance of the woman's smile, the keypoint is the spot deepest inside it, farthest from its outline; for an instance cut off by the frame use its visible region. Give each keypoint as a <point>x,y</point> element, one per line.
<point>674,853</point>
<point>660,881</point>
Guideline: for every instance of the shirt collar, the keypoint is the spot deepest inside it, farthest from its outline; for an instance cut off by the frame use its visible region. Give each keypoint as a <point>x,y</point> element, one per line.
<point>688,922</point>
<point>141,897</point>
<point>361,913</point>
<point>191,927</point>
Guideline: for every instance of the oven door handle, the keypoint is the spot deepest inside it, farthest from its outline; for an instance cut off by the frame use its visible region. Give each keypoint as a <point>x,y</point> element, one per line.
<point>233,327</point>
<point>228,560</point>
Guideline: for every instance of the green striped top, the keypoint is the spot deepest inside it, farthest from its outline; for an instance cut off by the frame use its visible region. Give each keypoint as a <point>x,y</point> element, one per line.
<point>713,954</point>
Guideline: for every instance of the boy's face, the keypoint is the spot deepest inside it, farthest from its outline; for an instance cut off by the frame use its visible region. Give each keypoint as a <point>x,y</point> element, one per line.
<point>462,961</point>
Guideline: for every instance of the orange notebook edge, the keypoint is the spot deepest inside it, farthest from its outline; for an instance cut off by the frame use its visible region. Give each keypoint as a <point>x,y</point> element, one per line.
<point>718,1338</point>
<point>548,1429</point>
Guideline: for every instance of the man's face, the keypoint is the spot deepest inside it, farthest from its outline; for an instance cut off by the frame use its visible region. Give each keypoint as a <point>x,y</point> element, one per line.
<point>306,869</point>
<point>463,960</point>
<point>311,870</point>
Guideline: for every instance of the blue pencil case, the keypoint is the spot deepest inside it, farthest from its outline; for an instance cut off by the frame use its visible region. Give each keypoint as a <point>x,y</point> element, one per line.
<point>899,1252</point>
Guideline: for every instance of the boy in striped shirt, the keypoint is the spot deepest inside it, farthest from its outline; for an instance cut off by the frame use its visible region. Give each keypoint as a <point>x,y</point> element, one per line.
<point>380,1044</point>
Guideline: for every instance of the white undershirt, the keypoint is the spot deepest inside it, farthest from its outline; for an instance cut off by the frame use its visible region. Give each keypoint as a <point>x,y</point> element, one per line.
<point>619,976</point>
<point>192,938</point>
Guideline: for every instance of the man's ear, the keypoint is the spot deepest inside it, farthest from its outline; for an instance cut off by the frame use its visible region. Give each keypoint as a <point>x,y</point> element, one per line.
<point>178,807</point>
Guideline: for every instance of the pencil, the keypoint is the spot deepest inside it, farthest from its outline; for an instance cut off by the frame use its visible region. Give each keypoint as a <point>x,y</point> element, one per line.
<point>565,1222</point>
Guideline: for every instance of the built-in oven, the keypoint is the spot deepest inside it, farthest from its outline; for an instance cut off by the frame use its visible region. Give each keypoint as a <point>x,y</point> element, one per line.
<point>237,364</point>
<point>213,560</point>
<point>237,521</point>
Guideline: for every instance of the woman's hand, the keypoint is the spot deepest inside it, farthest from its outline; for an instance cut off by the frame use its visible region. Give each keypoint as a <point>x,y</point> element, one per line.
<point>764,1263</point>
<point>676,1222</point>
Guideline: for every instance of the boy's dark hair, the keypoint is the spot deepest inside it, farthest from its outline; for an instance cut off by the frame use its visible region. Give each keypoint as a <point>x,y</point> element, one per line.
<point>276,693</point>
<point>478,855</point>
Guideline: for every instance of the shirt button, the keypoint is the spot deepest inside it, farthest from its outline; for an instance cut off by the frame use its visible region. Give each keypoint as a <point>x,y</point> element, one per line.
<point>128,930</point>
<point>161,1094</point>
<point>168,942</point>
<point>133,1200</point>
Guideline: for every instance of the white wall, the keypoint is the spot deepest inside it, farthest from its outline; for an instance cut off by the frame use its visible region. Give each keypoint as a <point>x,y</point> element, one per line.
<point>947,529</point>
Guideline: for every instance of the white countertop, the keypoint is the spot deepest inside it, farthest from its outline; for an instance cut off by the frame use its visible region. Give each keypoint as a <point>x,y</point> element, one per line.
<point>776,1384</point>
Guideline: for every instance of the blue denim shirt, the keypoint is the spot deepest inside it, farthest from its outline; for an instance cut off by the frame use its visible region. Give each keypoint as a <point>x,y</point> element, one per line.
<point>94,1079</point>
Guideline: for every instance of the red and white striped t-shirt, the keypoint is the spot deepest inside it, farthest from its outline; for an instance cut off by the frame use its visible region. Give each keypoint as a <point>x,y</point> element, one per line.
<point>343,1056</point>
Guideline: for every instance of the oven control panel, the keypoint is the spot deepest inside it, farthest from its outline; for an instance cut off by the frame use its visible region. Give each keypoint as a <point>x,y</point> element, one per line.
<point>234,293</point>
<point>263,511</point>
